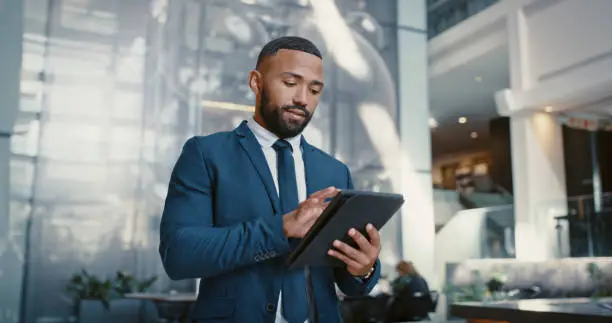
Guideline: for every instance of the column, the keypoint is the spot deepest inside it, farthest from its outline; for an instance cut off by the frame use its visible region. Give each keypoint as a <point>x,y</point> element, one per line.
<point>537,159</point>
<point>539,185</point>
<point>417,214</point>
<point>11,19</point>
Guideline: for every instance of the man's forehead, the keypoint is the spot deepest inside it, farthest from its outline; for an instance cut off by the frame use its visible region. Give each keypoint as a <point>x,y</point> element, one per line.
<point>286,60</point>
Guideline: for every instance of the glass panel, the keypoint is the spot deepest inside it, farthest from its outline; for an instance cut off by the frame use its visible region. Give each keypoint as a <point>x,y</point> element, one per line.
<point>22,176</point>
<point>580,231</point>
<point>117,109</point>
<point>127,107</point>
<point>60,142</point>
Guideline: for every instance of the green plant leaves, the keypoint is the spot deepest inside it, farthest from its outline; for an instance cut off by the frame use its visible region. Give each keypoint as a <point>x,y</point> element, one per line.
<point>602,285</point>
<point>86,286</point>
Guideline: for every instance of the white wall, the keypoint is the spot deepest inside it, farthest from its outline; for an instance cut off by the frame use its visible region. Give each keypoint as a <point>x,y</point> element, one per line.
<point>561,55</point>
<point>446,205</point>
<point>566,36</point>
<point>460,239</point>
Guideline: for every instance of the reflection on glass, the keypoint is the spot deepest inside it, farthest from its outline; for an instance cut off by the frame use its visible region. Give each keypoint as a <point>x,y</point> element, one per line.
<point>121,93</point>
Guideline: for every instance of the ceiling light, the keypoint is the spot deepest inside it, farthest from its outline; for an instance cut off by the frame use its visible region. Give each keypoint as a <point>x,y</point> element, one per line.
<point>433,123</point>
<point>478,79</point>
<point>548,109</point>
<point>474,134</point>
<point>462,120</point>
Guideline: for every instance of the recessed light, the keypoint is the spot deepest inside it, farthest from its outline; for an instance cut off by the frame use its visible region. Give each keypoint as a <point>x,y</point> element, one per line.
<point>474,134</point>
<point>462,120</point>
<point>548,109</point>
<point>478,79</point>
<point>433,123</point>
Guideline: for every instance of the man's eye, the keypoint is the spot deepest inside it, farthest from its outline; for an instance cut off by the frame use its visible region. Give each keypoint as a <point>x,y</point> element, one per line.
<point>287,83</point>
<point>315,92</point>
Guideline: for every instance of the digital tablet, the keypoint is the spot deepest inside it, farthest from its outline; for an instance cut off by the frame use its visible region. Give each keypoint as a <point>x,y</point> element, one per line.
<point>348,209</point>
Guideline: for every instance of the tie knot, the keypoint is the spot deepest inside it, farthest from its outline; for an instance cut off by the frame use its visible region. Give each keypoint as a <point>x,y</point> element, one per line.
<point>282,144</point>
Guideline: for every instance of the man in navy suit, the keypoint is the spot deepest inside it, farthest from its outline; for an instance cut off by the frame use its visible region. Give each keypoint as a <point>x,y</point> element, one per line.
<point>239,201</point>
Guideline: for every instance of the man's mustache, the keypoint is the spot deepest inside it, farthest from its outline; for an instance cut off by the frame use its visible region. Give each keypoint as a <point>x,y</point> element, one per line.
<point>297,107</point>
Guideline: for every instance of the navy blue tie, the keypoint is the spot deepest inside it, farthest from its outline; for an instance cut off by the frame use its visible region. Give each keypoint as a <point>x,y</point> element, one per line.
<point>287,184</point>
<point>294,302</point>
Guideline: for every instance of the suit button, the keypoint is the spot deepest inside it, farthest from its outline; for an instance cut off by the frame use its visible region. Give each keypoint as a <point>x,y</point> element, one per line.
<point>270,307</point>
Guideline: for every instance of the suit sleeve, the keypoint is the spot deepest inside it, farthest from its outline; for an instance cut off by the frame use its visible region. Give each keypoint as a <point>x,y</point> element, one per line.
<point>190,246</point>
<point>349,284</point>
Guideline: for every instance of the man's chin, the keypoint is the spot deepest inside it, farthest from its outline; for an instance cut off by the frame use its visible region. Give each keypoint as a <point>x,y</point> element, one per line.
<point>291,130</point>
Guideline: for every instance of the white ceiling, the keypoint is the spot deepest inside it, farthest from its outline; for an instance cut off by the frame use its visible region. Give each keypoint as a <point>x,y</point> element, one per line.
<point>459,93</point>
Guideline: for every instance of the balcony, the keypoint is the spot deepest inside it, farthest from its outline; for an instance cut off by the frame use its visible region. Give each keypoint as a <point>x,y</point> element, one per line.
<point>444,14</point>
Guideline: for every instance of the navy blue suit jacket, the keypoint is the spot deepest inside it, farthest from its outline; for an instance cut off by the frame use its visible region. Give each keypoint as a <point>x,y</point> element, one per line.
<point>221,223</point>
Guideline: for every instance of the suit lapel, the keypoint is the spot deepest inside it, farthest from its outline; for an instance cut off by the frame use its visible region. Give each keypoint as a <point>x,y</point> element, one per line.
<point>251,146</point>
<point>308,154</point>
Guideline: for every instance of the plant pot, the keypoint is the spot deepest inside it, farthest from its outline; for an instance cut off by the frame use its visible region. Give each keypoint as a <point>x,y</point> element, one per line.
<point>120,311</point>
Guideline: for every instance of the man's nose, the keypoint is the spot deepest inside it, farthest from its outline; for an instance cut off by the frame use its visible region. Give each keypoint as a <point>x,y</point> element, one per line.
<point>300,97</point>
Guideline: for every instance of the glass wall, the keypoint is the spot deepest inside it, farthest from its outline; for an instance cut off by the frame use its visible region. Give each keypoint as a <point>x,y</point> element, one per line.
<point>77,168</point>
<point>112,89</point>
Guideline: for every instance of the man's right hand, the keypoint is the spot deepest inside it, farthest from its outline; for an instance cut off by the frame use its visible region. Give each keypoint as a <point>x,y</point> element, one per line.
<point>297,223</point>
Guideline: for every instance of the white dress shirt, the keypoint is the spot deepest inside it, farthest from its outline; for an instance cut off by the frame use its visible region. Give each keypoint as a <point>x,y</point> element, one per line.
<point>266,139</point>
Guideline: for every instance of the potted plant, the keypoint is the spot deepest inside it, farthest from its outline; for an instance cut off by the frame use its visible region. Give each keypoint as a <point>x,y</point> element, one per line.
<point>602,285</point>
<point>478,290</point>
<point>475,291</point>
<point>101,300</point>
<point>84,286</point>
<point>125,283</point>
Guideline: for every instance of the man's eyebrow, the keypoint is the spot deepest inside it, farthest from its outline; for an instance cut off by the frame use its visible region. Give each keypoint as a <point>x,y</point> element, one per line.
<point>298,76</point>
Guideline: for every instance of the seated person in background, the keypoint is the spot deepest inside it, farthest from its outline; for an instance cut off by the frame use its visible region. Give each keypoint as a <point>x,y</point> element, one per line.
<point>411,300</point>
<point>408,277</point>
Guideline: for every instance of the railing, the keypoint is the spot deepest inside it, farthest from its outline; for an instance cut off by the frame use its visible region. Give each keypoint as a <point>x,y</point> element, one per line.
<point>447,203</point>
<point>489,232</point>
<point>444,14</point>
<point>489,199</point>
<point>589,226</point>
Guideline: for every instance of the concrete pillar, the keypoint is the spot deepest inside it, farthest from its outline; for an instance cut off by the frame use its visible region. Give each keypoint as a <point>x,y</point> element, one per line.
<point>11,270</point>
<point>418,227</point>
<point>539,186</point>
<point>537,160</point>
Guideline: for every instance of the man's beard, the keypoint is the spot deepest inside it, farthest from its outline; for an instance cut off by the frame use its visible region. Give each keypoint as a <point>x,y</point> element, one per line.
<point>273,117</point>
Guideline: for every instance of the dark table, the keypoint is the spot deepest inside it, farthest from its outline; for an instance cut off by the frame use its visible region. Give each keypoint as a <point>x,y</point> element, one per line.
<point>567,310</point>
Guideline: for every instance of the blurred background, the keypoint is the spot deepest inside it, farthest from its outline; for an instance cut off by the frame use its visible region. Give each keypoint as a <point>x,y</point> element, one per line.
<point>491,117</point>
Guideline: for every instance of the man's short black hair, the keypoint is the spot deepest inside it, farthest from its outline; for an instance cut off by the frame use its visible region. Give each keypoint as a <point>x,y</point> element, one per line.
<point>288,42</point>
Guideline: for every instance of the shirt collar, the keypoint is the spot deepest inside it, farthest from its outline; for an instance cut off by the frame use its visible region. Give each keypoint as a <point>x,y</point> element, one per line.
<point>266,138</point>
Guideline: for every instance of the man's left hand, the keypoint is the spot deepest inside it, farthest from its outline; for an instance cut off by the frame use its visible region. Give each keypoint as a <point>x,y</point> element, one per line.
<point>360,261</point>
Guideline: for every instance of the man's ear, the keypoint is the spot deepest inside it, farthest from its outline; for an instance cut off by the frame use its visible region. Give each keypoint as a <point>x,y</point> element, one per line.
<point>255,80</point>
